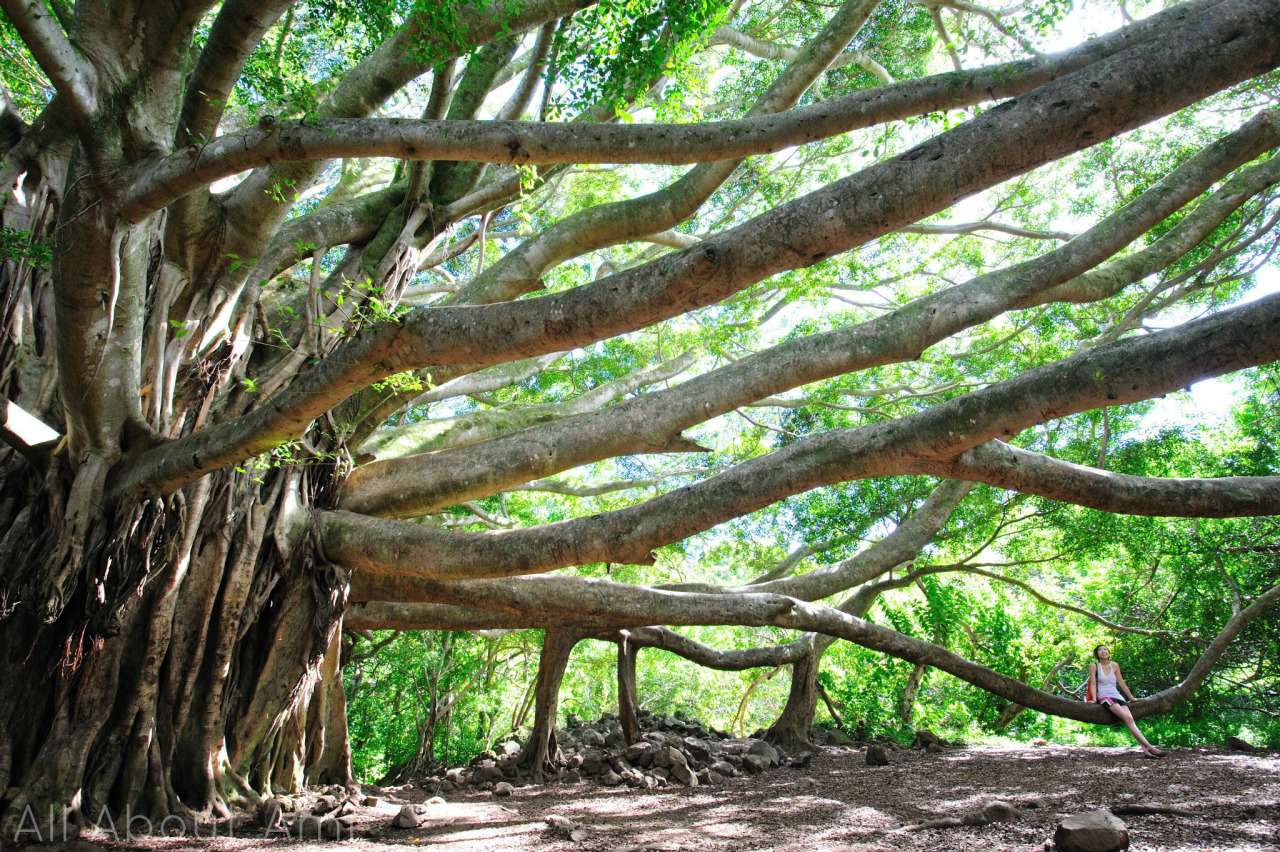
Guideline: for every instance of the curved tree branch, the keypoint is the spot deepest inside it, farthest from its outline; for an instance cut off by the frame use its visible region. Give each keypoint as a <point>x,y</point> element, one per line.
<point>1115,374</point>
<point>157,184</point>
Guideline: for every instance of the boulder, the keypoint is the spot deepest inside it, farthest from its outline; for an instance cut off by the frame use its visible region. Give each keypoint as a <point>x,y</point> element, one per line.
<point>410,816</point>
<point>801,760</point>
<point>721,767</point>
<point>756,763</point>
<point>636,753</point>
<point>925,738</point>
<point>682,773</point>
<point>763,749</point>
<point>1095,831</point>
<point>877,756</point>
<point>370,801</point>
<point>610,779</point>
<point>271,813</point>
<point>837,737</point>
<point>503,788</point>
<point>591,737</point>
<point>1237,744</point>
<point>697,748</point>
<point>487,772</point>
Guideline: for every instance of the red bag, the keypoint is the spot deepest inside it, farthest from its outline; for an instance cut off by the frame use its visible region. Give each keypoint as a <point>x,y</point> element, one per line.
<point>1088,691</point>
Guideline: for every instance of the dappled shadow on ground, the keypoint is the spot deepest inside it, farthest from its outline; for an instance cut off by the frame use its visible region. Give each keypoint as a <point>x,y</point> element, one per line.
<point>1224,801</point>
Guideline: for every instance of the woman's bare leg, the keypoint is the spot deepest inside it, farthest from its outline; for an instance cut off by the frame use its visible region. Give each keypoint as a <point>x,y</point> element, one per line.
<point>1127,717</point>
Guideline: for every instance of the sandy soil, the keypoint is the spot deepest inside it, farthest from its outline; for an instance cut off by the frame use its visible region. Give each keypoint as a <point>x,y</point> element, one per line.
<point>1221,801</point>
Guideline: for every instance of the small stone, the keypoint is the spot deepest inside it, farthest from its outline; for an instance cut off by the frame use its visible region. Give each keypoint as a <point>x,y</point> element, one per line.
<point>610,779</point>
<point>503,788</point>
<point>370,801</point>
<point>1096,831</point>
<point>877,756</point>
<point>801,760</point>
<point>714,779</point>
<point>756,763</point>
<point>570,776</point>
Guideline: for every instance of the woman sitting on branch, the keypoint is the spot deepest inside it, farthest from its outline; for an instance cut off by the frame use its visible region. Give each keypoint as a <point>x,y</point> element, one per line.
<point>1105,683</point>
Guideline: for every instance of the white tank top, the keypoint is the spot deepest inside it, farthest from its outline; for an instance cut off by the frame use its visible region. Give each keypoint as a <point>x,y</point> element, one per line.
<point>1107,682</point>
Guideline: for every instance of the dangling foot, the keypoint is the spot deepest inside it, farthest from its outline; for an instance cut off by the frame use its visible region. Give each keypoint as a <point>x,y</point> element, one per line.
<point>1156,753</point>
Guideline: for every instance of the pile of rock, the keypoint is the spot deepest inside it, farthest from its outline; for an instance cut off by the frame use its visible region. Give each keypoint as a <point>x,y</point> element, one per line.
<point>673,751</point>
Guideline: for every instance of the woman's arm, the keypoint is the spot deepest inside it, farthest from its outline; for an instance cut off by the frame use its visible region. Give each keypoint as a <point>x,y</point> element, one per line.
<point>1093,680</point>
<point>1120,682</point>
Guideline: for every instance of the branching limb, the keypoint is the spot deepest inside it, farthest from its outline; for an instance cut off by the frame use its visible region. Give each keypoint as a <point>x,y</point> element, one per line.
<point>70,72</point>
<point>997,463</point>
<point>159,183</point>
<point>425,483</point>
<point>924,442</point>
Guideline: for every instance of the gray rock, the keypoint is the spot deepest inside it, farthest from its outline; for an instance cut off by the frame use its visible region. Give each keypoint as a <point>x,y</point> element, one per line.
<point>591,737</point>
<point>611,779</point>
<point>570,776</point>
<point>668,756</point>
<point>724,768</point>
<point>487,772</point>
<point>503,788</point>
<point>592,763</point>
<point>271,813</point>
<point>615,739</point>
<point>324,805</point>
<point>682,773</point>
<point>640,754</point>
<point>926,738</point>
<point>410,816</point>
<point>370,801</point>
<point>1096,831</point>
<point>801,760</point>
<point>877,756</point>
<point>510,748</point>
<point>695,747</point>
<point>714,779</point>
<point>763,749</point>
<point>837,737</point>
<point>1237,744</point>
<point>659,772</point>
<point>756,763</point>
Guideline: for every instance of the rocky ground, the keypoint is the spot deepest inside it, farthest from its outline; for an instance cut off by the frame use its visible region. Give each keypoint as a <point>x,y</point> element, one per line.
<point>688,788</point>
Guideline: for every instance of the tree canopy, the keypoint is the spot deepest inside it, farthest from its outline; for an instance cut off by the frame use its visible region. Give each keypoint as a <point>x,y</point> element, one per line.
<point>613,319</point>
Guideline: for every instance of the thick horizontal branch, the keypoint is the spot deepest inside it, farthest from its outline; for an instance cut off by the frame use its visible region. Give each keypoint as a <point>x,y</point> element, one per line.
<point>997,463</point>
<point>606,605</point>
<point>418,484</point>
<point>158,184</point>
<point>1116,374</point>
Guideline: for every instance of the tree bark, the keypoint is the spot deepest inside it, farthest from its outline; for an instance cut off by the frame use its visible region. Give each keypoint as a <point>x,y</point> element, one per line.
<point>541,754</point>
<point>628,700</point>
<point>793,729</point>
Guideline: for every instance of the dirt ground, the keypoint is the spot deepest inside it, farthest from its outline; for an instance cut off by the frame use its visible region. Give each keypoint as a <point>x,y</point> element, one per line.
<point>1220,800</point>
